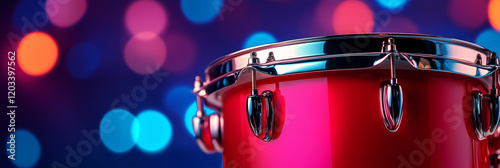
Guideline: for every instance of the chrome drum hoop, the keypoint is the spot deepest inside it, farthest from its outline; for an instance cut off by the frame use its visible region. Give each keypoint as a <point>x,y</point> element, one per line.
<point>355,51</point>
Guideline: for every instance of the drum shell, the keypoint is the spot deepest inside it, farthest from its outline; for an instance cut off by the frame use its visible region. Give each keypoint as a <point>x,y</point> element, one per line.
<point>333,119</point>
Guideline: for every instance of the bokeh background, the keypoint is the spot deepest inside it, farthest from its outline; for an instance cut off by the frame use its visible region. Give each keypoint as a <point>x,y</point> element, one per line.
<point>108,83</point>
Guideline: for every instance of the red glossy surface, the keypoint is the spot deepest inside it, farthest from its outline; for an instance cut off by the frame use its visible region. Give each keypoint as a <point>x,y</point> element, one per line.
<point>205,135</point>
<point>332,119</point>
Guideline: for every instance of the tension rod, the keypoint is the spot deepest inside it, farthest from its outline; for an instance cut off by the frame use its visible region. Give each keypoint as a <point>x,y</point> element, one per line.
<point>199,102</point>
<point>391,47</point>
<point>254,60</point>
<point>391,93</point>
<point>494,90</point>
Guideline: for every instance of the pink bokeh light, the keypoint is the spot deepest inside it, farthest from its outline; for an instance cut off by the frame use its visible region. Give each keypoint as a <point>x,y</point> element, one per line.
<point>146,16</point>
<point>65,14</point>
<point>181,54</point>
<point>352,17</point>
<point>145,55</point>
<point>468,14</point>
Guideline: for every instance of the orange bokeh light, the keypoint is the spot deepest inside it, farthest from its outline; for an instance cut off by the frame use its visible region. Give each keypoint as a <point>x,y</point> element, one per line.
<point>494,14</point>
<point>37,53</point>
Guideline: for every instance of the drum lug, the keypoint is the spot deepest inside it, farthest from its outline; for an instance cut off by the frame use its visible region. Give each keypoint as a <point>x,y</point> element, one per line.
<point>260,120</point>
<point>477,111</point>
<point>391,93</point>
<point>392,105</point>
<point>208,130</point>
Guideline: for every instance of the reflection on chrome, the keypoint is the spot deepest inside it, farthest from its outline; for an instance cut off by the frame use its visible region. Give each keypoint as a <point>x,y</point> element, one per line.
<point>452,66</point>
<point>424,64</point>
<point>300,67</point>
<point>343,52</point>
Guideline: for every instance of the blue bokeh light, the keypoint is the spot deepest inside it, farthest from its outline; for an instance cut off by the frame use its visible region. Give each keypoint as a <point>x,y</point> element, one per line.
<point>190,113</point>
<point>116,130</point>
<point>29,16</point>
<point>259,38</point>
<point>392,4</point>
<point>82,60</point>
<point>489,39</point>
<point>179,98</point>
<point>201,11</point>
<point>27,148</point>
<point>152,130</point>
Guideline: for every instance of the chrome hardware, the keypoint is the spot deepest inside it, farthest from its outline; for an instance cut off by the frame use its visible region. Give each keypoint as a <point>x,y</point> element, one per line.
<point>391,94</point>
<point>253,60</point>
<point>270,115</point>
<point>390,46</point>
<point>326,54</point>
<point>477,101</point>
<point>318,54</point>
<point>493,101</point>
<point>270,58</point>
<point>477,114</point>
<point>493,59</point>
<point>204,125</point>
<point>478,61</point>
<point>261,120</point>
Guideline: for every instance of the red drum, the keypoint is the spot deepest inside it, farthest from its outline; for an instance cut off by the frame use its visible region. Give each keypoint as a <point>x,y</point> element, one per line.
<point>370,100</point>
